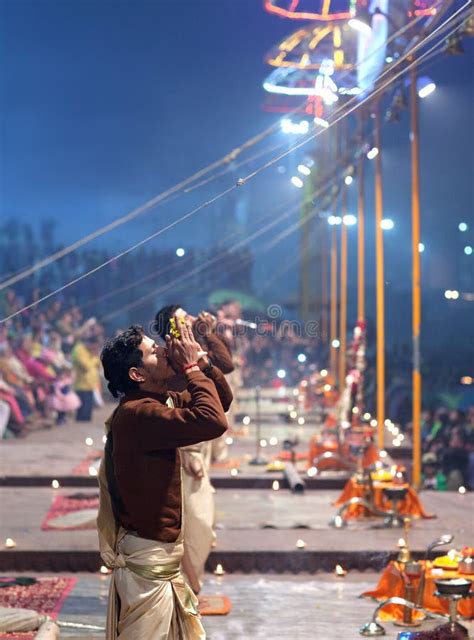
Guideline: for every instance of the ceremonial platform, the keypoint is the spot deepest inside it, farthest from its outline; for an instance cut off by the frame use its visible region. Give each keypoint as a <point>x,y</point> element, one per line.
<point>277,549</point>
<point>303,607</point>
<point>258,526</point>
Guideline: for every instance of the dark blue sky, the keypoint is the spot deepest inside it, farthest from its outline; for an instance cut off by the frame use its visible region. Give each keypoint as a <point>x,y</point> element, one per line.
<point>105,104</point>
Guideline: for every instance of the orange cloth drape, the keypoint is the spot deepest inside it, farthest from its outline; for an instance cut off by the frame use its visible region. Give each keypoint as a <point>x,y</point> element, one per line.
<point>391,584</point>
<point>409,506</point>
<point>318,448</point>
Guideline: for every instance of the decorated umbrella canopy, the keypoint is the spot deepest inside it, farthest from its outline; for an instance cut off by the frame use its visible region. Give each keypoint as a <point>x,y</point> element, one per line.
<point>317,61</point>
<point>247,301</point>
<point>343,52</point>
<point>310,9</point>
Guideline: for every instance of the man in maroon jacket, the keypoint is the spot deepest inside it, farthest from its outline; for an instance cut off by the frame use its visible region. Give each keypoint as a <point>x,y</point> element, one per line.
<point>141,518</point>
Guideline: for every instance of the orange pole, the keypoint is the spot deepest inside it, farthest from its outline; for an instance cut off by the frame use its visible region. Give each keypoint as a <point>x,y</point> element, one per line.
<point>380,293</point>
<point>333,317</point>
<point>334,260</point>
<point>361,235</point>
<point>343,294</point>
<point>324,291</point>
<point>416,276</point>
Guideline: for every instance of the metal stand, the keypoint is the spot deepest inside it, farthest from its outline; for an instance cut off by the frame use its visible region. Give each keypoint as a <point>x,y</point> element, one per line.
<point>374,628</point>
<point>393,519</point>
<point>340,522</point>
<point>453,625</point>
<point>259,459</point>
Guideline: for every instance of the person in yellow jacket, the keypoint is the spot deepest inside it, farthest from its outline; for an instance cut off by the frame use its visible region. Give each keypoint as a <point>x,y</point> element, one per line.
<point>86,365</point>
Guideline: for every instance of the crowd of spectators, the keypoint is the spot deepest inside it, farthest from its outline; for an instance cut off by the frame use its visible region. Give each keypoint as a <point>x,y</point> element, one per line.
<point>49,366</point>
<point>448,449</point>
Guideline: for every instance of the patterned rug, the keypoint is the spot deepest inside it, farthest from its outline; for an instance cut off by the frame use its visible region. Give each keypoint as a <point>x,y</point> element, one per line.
<point>68,505</point>
<point>46,596</point>
<point>214,605</point>
<point>82,469</point>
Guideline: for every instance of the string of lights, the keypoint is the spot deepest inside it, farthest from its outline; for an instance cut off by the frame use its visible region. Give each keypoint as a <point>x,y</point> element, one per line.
<point>223,241</point>
<point>327,186</point>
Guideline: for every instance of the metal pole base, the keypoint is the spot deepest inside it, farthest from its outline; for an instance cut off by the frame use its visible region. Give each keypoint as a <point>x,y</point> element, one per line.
<point>372,629</point>
<point>393,522</point>
<point>400,623</point>
<point>258,461</point>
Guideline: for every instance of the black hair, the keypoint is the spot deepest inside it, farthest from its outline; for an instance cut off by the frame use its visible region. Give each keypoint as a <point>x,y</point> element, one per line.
<point>161,326</point>
<point>118,355</point>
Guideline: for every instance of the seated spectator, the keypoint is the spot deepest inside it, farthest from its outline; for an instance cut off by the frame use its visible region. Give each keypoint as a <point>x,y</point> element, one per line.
<point>455,461</point>
<point>64,399</point>
<point>432,478</point>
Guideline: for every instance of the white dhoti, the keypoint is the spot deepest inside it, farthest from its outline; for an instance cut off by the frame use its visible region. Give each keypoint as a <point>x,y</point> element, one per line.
<point>153,601</point>
<point>198,502</point>
<point>148,599</point>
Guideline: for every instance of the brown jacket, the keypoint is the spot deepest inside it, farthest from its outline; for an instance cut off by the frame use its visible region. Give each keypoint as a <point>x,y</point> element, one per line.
<point>219,353</point>
<point>142,461</point>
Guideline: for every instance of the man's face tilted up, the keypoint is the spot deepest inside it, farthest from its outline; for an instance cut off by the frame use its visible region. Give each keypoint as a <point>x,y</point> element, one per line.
<point>155,369</point>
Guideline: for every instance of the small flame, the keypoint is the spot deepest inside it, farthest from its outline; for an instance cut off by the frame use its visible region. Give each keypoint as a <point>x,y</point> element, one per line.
<point>10,543</point>
<point>219,570</point>
<point>105,570</point>
<point>340,571</point>
<point>300,544</point>
<point>55,484</point>
<point>275,485</point>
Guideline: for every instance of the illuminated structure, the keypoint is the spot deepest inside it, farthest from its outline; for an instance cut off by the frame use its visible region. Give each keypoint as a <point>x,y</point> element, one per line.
<point>317,60</point>
<point>311,9</point>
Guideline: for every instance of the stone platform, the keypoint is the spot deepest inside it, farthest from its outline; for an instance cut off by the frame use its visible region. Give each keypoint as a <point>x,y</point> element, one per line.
<point>257,531</point>
<point>303,607</point>
<point>55,454</point>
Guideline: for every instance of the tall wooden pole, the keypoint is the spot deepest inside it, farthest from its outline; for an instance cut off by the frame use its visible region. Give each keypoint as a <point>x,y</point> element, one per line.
<point>361,232</point>
<point>333,318</point>
<point>380,293</point>
<point>326,157</point>
<point>324,290</point>
<point>416,275</point>
<point>334,260</point>
<point>343,304</point>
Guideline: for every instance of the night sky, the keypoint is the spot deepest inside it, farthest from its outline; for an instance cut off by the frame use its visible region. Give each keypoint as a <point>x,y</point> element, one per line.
<point>105,104</point>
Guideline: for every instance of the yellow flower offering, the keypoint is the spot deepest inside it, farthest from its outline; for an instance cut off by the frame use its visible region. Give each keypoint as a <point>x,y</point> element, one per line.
<point>382,475</point>
<point>447,562</point>
<point>276,465</point>
<point>174,331</point>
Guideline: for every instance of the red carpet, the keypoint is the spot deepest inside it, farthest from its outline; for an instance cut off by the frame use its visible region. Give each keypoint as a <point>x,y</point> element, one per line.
<point>214,605</point>
<point>64,505</point>
<point>47,596</point>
